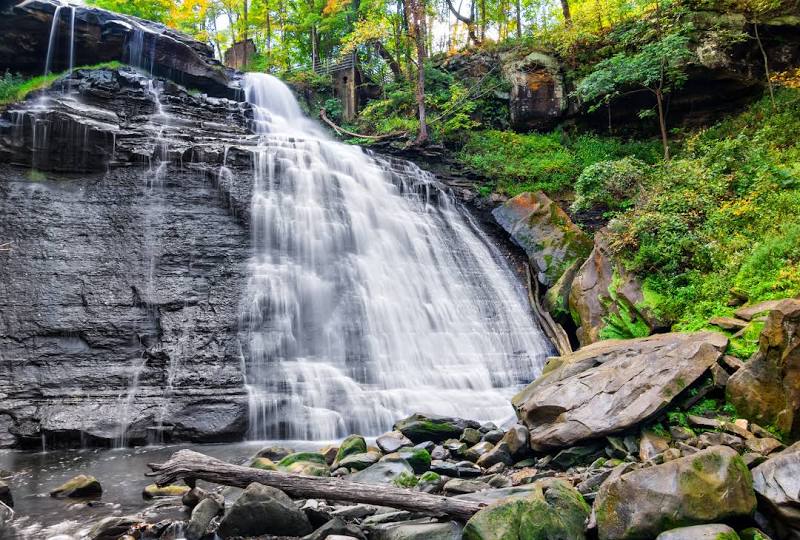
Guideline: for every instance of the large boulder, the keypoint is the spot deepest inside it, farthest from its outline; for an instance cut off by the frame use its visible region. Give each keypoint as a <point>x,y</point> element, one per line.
<point>538,97</point>
<point>384,472</point>
<point>419,529</point>
<point>551,510</point>
<point>713,531</point>
<point>263,510</point>
<point>607,301</point>
<point>102,36</point>
<point>78,487</point>
<point>305,463</point>
<point>767,389</point>
<point>777,485</point>
<point>420,428</point>
<point>550,239</point>
<point>709,486</point>
<point>612,385</point>
<point>354,444</point>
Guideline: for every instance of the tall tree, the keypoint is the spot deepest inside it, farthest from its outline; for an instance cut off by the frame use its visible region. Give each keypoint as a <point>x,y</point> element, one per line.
<point>415,14</point>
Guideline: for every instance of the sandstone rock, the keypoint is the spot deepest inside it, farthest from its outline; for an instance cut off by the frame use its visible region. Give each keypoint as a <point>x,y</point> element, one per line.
<point>422,529</point>
<point>459,486</point>
<point>392,442</point>
<point>80,486</point>
<point>611,386</point>
<point>556,299</point>
<point>552,510</point>
<point>470,436</point>
<point>418,458</point>
<point>767,389</point>
<point>538,97</point>
<point>777,484</point>
<point>475,452</point>
<point>749,313</point>
<point>420,428</point>
<point>728,323</point>
<point>606,301</point>
<point>153,491</point>
<point>549,238</point>
<point>193,497</point>
<point>700,532</point>
<point>359,462</point>
<point>493,436</point>
<point>517,440</point>
<point>764,446</point>
<point>384,472</point>
<point>500,453</point>
<point>651,445</point>
<point>711,485</point>
<point>263,510</point>
<point>265,464</point>
<point>201,517</point>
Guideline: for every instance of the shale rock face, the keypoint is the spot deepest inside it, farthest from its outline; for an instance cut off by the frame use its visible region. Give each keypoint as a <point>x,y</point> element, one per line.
<point>120,312</point>
<point>102,36</point>
<point>767,389</point>
<point>612,385</point>
<point>545,232</point>
<point>709,486</point>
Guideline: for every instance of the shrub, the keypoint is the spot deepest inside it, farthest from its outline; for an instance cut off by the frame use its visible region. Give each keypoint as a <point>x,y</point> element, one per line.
<point>609,185</point>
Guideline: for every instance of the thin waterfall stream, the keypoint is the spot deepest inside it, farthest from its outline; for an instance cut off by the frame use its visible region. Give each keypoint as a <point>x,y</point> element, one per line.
<point>371,295</point>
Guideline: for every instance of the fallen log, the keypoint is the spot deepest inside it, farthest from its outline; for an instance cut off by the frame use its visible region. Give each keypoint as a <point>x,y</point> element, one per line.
<point>553,330</point>
<point>191,466</point>
<point>341,131</point>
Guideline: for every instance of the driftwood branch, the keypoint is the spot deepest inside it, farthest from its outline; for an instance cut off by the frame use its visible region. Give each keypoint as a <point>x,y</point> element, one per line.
<point>5,247</point>
<point>554,331</point>
<point>192,466</point>
<point>340,130</point>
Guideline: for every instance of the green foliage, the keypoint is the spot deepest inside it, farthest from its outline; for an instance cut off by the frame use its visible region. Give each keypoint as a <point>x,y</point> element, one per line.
<point>678,418</point>
<point>660,430</point>
<point>609,185</point>
<point>406,480</point>
<point>153,10</point>
<point>746,344</point>
<point>725,214</point>
<point>14,88</point>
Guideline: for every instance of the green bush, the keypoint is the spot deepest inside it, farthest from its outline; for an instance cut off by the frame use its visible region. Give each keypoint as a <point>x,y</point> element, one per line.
<point>609,185</point>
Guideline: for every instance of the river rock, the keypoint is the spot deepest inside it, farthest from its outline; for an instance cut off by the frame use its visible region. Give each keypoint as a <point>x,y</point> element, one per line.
<point>549,238</point>
<point>265,464</point>
<point>305,463</point>
<point>606,301</point>
<point>460,469</point>
<point>767,389</point>
<point>420,428</point>
<point>421,529</point>
<point>650,445</point>
<point>392,442</point>
<point>274,453</point>
<point>263,510</point>
<point>500,453</point>
<point>474,453</point>
<point>153,491</point>
<point>202,514</point>
<point>418,458</point>
<point>710,485</point>
<point>79,486</point>
<point>336,527</point>
<point>714,531</point>
<point>610,386</point>
<point>777,485</point>
<point>384,472</point>
<point>549,510</point>
<point>359,462</point>
<point>459,486</point>
<point>430,482</point>
<point>354,444</point>
<point>111,528</point>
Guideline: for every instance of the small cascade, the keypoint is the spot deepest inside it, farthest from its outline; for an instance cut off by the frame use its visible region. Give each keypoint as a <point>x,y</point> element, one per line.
<point>372,293</point>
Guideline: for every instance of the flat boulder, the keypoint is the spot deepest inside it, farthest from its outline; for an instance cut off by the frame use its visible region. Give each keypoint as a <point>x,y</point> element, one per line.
<point>263,510</point>
<point>709,486</point>
<point>384,472</point>
<point>713,531</point>
<point>777,485</point>
<point>550,239</point>
<point>606,301</point>
<point>611,386</point>
<point>766,389</point>
<point>420,529</point>
<point>549,510</point>
<point>420,428</point>
<point>392,442</point>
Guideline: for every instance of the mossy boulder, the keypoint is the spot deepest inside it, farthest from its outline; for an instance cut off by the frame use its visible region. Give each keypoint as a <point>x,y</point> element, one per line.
<point>384,472</point>
<point>777,483</point>
<point>713,531</point>
<point>263,510</point>
<point>354,444</point>
<point>540,227</point>
<point>78,487</point>
<point>709,486</point>
<point>607,302</point>
<point>418,458</point>
<point>360,461</point>
<point>420,428</point>
<point>430,482</point>
<point>767,389</point>
<point>153,491</point>
<point>552,510</point>
<point>264,464</point>
<point>305,463</point>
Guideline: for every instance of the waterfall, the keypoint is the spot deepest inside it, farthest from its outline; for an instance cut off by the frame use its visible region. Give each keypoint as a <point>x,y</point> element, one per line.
<point>372,294</point>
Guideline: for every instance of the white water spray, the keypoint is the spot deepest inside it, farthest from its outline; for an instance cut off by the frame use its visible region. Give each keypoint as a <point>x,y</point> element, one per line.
<point>371,293</point>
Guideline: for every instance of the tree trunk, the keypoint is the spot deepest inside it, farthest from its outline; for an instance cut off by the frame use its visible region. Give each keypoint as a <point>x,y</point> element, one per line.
<point>191,466</point>
<point>565,11</point>
<point>244,33</point>
<point>519,19</point>
<point>483,20</point>
<point>469,21</point>
<point>418,13</point>
<point>766,66</point>
<point>662,122</point>
<point>394,65</point>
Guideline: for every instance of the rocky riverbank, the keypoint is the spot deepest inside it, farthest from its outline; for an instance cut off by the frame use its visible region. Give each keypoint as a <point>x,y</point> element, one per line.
<point>610,444</point>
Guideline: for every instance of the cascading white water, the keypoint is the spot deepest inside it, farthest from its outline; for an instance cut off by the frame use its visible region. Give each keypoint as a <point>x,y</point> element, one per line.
<point>372,295</point>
